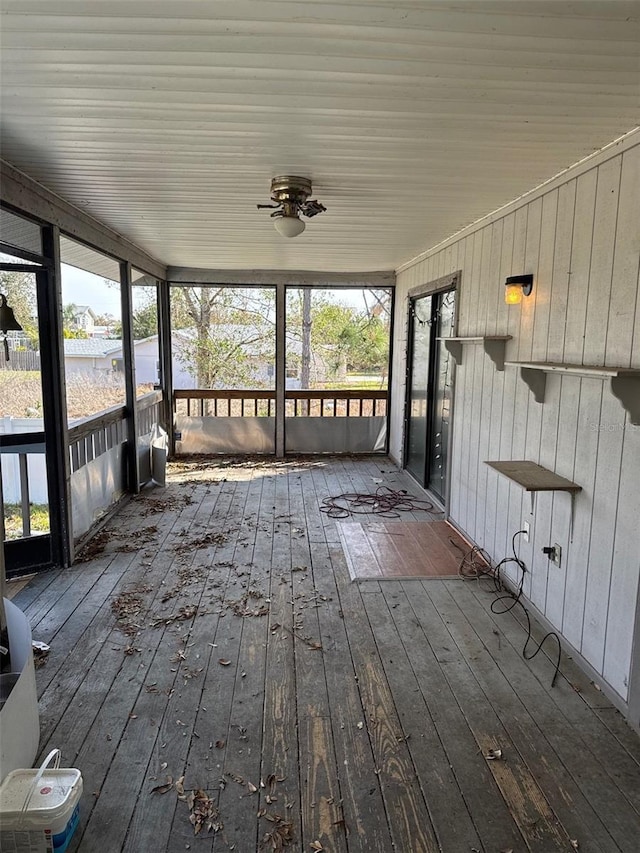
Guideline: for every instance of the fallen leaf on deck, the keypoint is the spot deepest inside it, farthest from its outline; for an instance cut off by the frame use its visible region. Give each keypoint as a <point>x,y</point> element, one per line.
<point>220,744</point>
<point>315,845</point>
<point>223,662</point>
<point>493,754</point>
<point>162,789</point>
<point>574,843</point>
<point>252,788</point>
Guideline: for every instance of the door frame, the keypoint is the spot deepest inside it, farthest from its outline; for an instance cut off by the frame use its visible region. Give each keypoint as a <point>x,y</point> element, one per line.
<point>29,554</point>
<point>431,288</point>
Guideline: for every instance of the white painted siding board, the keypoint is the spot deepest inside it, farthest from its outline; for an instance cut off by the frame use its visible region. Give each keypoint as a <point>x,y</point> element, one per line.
<point>473,376</point>
<point>544,500</point>
<point>626,569</point>
<point>502,324</point>
<point>542,292</point>
<point>584,474</point>
<point>485,285</point>
<point>580,264</point>
<point>561,506</point>
<point>635,349</point>
<point>531,259</point>
<point>517,267</point>
<point>561,270</point>
<point>603,525</point>
<point>475,427</point>
<point>604,238</point>
<point>494,297</point>
<point>624,289</point>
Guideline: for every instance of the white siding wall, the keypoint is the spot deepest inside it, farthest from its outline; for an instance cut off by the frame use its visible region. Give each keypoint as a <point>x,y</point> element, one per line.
<point>580,237</point>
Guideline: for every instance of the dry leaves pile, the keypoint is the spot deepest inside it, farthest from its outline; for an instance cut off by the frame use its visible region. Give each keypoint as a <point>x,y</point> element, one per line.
<point>172,503</point>
<point>280,835</point>
<point>187,611</point>
<point>201,542</point>
<point>241,606</point>
<point>94,547</point>
<point>127,606</point>
<point>143,537</point>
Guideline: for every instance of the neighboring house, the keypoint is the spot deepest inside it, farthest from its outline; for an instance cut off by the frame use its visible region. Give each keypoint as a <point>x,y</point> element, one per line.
<point>85,355</point>
<point>84,319</point>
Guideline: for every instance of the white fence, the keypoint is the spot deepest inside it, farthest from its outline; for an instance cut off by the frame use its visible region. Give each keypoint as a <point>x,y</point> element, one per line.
<point>10,463</point>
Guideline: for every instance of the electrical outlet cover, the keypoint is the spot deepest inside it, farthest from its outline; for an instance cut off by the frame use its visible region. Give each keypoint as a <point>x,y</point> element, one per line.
<point>557,555</point>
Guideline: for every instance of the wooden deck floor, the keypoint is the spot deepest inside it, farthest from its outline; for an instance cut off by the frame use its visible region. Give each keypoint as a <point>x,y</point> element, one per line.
<point>364,709</point>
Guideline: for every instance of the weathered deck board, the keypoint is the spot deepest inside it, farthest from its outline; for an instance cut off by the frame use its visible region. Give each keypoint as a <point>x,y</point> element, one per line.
<point>373,742</point>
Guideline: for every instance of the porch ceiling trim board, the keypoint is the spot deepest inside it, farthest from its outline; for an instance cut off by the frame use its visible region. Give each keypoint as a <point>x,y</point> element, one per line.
<point>618,146</point>
<point>30,197</point>
<point>298,278</point>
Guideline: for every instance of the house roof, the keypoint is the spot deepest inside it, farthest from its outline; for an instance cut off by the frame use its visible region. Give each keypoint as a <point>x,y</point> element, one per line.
<point>90,347</point>
<point>412,119</point>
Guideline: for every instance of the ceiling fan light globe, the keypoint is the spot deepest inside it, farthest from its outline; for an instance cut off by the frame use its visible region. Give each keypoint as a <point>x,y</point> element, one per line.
<point>289,226</point>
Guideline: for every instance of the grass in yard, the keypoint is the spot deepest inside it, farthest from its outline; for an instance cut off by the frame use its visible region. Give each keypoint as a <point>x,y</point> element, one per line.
<point>13,519</point>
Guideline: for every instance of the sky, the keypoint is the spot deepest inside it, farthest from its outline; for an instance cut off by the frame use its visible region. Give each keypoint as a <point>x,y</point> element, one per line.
<point>85,288</point>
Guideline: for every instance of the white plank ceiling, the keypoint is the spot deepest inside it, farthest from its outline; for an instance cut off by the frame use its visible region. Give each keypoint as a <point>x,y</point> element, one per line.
<point>166,119</point>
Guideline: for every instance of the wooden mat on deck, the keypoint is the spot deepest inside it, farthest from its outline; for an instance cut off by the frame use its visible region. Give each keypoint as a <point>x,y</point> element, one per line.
<point>400,550</point>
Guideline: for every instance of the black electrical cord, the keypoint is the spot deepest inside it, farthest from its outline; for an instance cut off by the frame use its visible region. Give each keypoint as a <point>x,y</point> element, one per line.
<point>506,600</point>
<point>385,502</point>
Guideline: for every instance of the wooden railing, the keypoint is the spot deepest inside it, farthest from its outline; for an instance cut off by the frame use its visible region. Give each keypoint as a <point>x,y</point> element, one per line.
<point>93,436</point>
<point>355,403</point>
<point>260,403</point>
<point>148,410</point>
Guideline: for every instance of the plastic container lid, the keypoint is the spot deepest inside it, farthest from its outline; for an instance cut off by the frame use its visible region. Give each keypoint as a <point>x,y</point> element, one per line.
<point>49,801</point>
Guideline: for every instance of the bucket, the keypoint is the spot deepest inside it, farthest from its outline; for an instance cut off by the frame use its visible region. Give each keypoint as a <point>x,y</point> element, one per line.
<point>40,809</point>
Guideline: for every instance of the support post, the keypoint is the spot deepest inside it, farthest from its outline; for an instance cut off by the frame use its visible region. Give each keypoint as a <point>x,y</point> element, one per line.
<point>128,355</point>
<point>166,367</point>
<point>281,367</point>
<point>55,400</point>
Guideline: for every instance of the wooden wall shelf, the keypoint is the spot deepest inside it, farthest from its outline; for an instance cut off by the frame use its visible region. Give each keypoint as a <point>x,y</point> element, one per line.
<point>533,477</point>
<point>493,346</point>
<point>624,381</point>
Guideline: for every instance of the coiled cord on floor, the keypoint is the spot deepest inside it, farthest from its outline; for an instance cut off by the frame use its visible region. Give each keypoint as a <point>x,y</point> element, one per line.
<point>476,564</point>
<point>385,502</point>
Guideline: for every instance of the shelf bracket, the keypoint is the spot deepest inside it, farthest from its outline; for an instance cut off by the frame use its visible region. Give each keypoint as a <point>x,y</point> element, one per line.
<point>454,348</point>
<point>627,390</point>
<point>537,382</point>
<point>495,351</point>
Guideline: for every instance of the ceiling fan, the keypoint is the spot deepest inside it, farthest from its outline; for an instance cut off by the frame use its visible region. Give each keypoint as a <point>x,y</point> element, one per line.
<point>291,194</point>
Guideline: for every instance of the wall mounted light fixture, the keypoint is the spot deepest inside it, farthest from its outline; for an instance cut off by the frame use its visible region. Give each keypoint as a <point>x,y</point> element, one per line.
<point>517,286</point>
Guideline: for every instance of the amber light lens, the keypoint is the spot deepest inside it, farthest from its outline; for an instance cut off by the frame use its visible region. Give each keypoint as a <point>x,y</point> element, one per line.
<point>513,294</point>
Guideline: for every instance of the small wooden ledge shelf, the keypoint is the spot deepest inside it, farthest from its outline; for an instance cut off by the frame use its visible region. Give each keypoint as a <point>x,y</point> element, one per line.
<point>493,346</point>
<point>625,382</point>
<point>533,477</point>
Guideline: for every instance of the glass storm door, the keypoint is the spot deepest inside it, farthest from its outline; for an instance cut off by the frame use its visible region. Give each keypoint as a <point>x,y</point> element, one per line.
<point>429,391</point>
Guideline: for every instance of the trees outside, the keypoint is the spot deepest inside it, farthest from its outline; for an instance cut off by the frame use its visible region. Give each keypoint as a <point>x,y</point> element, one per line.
<point>224,336</point>
<point>348,333</point>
